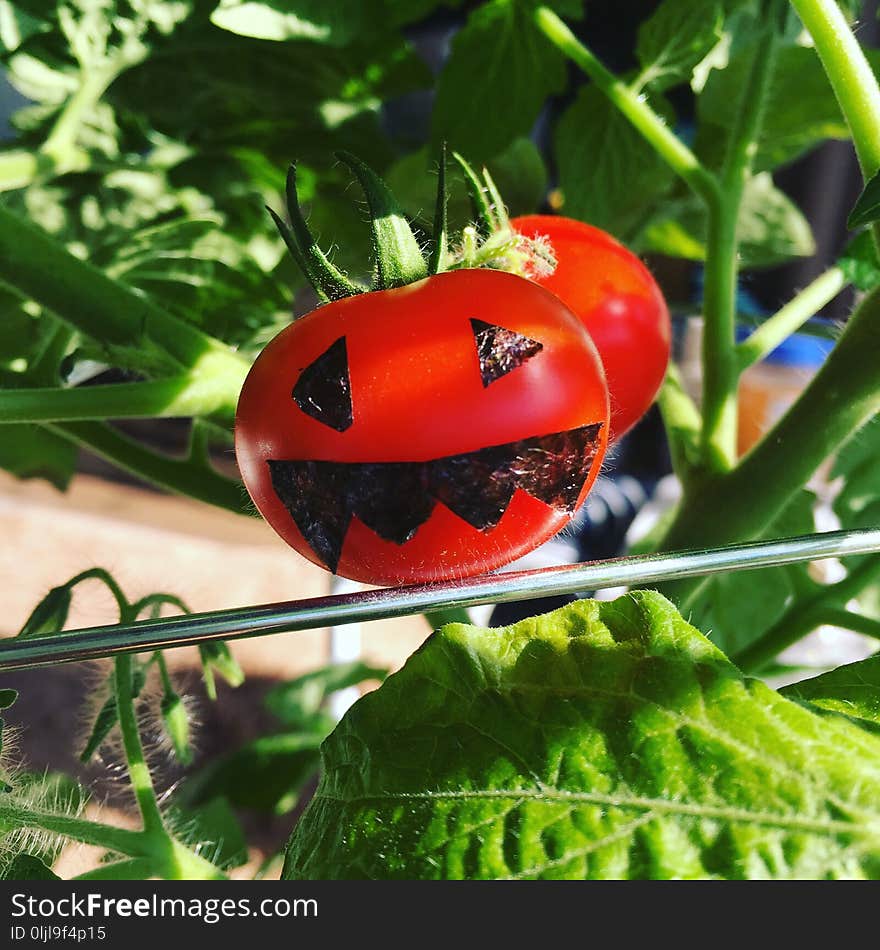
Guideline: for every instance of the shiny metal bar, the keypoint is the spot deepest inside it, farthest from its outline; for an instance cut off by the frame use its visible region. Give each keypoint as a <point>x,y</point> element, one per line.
<point>243,622</point>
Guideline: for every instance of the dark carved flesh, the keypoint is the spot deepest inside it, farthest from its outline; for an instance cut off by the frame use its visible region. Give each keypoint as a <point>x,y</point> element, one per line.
<point>395,498</point>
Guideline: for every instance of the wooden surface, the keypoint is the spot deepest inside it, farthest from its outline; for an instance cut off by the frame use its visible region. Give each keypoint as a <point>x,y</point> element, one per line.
<point>151,542</point>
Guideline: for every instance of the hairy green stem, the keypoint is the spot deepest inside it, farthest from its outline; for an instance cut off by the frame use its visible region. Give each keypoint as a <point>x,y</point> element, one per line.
<point>791,317</point>
<point>177,475</point>
<point>631,104</point>
<point>119,840</point>
<point>157,600</point>
<point>179,863</point>
<point>164,675</point>
<point>39,268</point>
<point>682,422</point>
<point>850,75</point>
<point>720,364</point>
<point>138,772</point>
<point>851,78</point>
<point>176,396</point>
<point>719,420</point>
<point>804,616</point>
<point>106,578</point>
<point>739,505</point>
<point>133,869</point>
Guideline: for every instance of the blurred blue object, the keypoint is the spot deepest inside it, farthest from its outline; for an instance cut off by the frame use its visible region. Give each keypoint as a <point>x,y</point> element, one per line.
<point>807,350</point>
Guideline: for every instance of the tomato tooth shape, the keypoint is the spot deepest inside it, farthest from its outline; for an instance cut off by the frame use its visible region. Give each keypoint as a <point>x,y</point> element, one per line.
<point>433,431</point>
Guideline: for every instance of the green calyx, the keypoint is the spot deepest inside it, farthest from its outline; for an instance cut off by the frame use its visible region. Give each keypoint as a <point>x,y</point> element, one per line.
<point>398,257</point>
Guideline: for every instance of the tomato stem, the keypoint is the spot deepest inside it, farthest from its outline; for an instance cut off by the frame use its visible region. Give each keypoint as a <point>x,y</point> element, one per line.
<point>481,206</point>
<point>174,396</point>
<point>633,105</point>
<point>329,281</point>
<point>849,73</point>
<point>440,238</point>
<point>139,774</point>
<point>177,475</point>
<point>721,367</point>
<point>120,840</point>
<point>790,318</point>
<point>682,422</point>
<point>851,77</point>
<point>805,615</point>
<point>397,254</point>
<point>841,398</point>
<point>42,270</point>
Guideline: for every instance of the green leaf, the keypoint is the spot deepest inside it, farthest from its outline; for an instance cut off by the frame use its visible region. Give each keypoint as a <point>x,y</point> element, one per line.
<point>519,172</point>
<point>604,740</point>
<point>335,22</point>
<point>857,502</point>
<point>27,867</point>
<point>296,702</point>
<point>801,109</point>
<point>867,208</point>
<point>860,263</point>
<point>499,74</point>
<point>176,722</point>
<point>675,39</point>
<point>213,830</point>
<point>29,451</point>
<point>482,208</point>
<point>285,100</point>
<point>50,792</point>
<point>23,335</point>
<point>852,690</point>
<point>396,251</point>
<point>7,698</point>
<point>607,175</point>
<point>771,228</point>
<point>735,609</point>
<point>521,176</point>
<point>267,774</point>
<point>216,655</point>
<point>50,614</point>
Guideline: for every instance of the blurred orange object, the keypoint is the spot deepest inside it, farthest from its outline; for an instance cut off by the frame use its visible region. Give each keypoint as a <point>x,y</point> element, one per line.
<point>768,388</point>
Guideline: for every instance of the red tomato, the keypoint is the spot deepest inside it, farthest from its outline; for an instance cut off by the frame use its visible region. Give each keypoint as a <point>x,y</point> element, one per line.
<point>620,304</point>
<point>433,431</point>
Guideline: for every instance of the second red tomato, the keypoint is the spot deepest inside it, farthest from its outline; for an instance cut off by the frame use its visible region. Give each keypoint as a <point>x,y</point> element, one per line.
<point>619,303</point>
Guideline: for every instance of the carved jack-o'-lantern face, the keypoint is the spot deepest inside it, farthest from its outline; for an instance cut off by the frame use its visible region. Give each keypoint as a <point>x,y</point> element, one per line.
<point>437,430</point>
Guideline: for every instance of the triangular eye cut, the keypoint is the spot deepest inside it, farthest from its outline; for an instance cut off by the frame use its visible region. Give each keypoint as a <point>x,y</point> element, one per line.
<point>323,390</point>
<point>501,351</point>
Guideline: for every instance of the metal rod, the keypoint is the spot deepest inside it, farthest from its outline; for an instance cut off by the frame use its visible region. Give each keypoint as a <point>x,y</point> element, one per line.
<point>243,622</point>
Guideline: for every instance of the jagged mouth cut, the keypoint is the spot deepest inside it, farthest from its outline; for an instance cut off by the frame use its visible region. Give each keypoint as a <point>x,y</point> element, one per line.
<point>394,499</point>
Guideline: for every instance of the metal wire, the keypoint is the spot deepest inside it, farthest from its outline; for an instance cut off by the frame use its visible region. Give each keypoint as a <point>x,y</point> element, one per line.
<point>240,623</point>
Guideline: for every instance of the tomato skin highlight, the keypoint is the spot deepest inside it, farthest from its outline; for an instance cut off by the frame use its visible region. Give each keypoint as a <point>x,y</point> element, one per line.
<point>417,395</point>
<point>619,303</point>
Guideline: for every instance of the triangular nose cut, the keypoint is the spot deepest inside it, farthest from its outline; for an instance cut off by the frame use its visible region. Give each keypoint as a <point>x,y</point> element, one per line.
<point>500,350</point>
<point>323,390</point>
